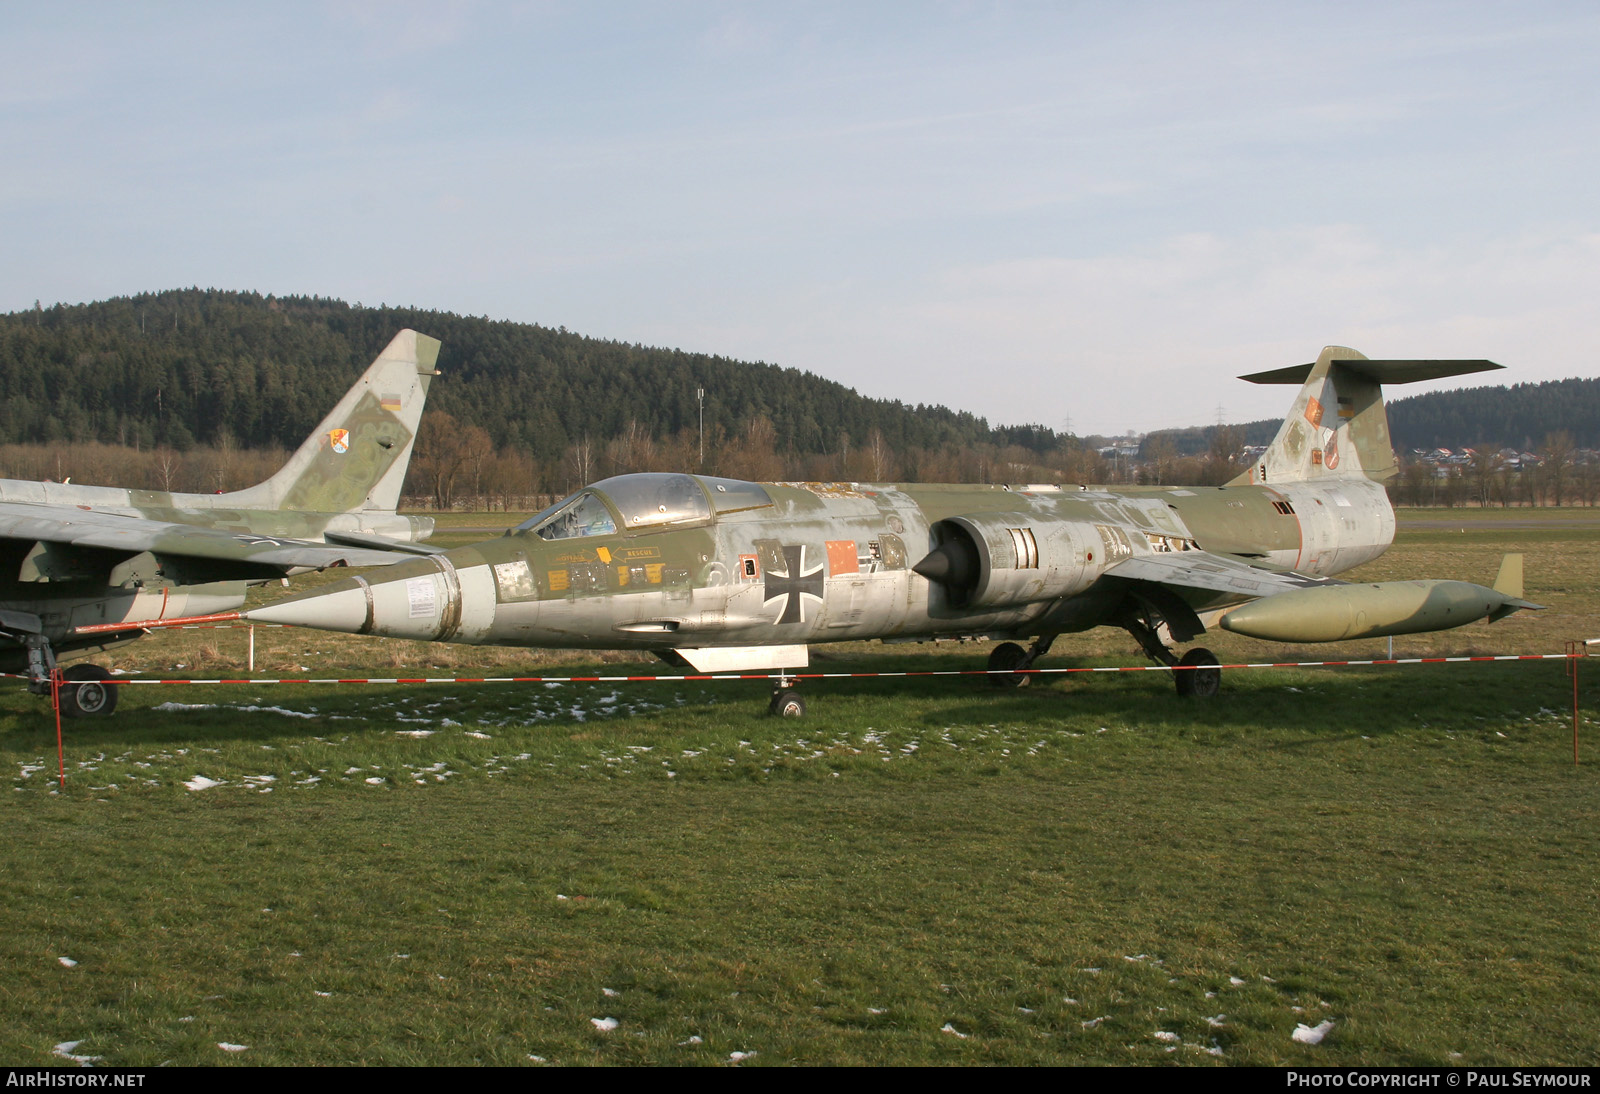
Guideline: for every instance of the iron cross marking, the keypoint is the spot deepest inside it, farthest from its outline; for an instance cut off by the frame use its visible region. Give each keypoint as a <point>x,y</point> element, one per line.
<point>794,583</point>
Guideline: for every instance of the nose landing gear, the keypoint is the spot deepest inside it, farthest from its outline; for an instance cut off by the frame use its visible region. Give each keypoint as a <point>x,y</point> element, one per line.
<point>786,702</point>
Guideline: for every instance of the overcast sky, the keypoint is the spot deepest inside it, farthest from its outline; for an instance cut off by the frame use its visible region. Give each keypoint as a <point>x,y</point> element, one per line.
<point>1088,215</point>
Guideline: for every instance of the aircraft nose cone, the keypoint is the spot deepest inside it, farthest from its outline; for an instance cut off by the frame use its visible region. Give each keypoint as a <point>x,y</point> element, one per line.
<point>441,598</point>
<point>340,607</point>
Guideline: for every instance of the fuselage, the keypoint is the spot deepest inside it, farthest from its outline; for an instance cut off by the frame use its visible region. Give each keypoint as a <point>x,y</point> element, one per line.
<point>76,588</point>
<point>669,561</point>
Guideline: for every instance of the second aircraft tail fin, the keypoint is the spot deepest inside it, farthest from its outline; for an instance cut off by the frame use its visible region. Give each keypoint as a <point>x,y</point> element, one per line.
<point>356,459</point>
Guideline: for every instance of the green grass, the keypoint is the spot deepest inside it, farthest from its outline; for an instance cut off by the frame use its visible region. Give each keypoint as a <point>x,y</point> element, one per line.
<point>465,870</point>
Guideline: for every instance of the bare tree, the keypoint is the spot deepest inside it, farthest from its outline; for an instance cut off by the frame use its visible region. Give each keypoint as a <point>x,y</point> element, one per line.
<point>580,462</point>
<point>1485,467</point>
<point>1224,454</point>
<point>1556,454</point>
<point>879,458</point>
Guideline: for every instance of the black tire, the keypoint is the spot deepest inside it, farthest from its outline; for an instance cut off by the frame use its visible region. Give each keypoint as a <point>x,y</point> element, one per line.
<point>86,694</point>
<point>787,704</point>
<point>1002,660</point>
<point>1198,683</point>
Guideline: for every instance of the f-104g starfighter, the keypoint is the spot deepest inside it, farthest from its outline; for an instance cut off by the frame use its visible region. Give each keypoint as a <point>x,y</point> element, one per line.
<point>731,576</point>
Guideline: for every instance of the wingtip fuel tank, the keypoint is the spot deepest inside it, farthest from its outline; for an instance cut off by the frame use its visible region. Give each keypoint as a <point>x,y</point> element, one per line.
<point>1335,613</point>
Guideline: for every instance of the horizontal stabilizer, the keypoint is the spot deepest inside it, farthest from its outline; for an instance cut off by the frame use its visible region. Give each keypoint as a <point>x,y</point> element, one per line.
<point>1337,427</point>
<point>1379,372</point>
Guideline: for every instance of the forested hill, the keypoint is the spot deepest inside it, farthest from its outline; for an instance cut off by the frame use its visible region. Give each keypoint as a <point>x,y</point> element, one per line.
<point>1520,416</point>
<point>199,366</point>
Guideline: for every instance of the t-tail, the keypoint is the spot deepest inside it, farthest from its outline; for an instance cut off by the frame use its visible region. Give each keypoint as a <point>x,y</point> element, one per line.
<point>356,460</point>
<point>1337,427</point>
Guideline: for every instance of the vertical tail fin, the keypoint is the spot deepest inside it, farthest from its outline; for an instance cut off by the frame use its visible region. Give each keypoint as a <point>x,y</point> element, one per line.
<point>1509,579</point>
<point>1337,427</point>
<point>356,459</point>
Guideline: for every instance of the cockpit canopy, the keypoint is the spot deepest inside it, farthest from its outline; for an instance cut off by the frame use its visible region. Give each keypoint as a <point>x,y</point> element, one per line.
<point>647,500</point>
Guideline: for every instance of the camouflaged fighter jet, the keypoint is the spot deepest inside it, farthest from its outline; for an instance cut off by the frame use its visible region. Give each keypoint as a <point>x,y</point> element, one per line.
<point>76,557</point>
<point>731,576</point>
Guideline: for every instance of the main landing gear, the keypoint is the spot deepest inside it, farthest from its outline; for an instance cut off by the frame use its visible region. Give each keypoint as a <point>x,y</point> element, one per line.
<point>1009,663</point>
<point>85,692</point>
<point>1196,675</point>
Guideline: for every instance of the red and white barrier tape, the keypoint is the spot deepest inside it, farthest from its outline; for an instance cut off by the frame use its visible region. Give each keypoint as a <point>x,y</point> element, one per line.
<point>664,678</point>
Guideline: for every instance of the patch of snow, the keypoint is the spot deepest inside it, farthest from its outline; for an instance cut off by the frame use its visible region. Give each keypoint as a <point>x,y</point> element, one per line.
<point>64,1050</point>
<point>610,993</point>
<point>415,732</point>
<point>737,1057</point>
<point>605,1025</point>
<point>1166,1036</point>
<point>227,1047</point>
<point>200,782</point>
<point>1093,1022</point>
<point>1311,1035</point>
<point>71,964</point>
<point>948,1028</point>
<point>376,780</point>
<point>1235,981</point>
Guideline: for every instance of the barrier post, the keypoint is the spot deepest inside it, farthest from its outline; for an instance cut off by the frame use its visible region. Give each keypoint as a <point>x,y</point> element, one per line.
<point>1575,650</point>
<point>55,701</point>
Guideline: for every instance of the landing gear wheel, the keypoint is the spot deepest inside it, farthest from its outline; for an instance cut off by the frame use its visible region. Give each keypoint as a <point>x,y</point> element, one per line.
<point>787,704</point>
<point>1198,683</point>
<point>1003,660</point>
<point>86,693</point>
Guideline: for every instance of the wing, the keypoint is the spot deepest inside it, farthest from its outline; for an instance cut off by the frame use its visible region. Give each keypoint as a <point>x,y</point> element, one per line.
<point>1181,584</point>
<point>58,543</point>
<point>1211,573</point>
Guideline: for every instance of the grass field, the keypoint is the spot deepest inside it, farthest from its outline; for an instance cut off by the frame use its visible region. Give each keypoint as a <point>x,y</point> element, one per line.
<point>1088,870</point>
